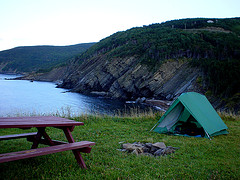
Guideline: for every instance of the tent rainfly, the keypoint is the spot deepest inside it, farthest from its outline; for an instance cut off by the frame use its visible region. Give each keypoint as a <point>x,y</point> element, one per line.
<point>191,114</point>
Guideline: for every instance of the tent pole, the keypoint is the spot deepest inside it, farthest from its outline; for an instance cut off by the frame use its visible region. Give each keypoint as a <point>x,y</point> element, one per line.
<point>207,134</point>
<point>154,126</point>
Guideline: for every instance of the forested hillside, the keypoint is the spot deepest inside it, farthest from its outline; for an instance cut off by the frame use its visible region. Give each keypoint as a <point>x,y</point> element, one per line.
<point>150,57</point>
<point>195,38</point>
<point>38,58</point>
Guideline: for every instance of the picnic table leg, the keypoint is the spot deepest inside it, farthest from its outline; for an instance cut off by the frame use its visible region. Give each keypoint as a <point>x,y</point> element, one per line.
<point>76,153</point>
<point>41,133</point>
<point>47,138</point>
<point>37,138</point>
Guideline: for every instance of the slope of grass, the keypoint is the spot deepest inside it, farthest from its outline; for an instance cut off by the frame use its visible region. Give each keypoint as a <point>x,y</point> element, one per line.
<point>197,158</point>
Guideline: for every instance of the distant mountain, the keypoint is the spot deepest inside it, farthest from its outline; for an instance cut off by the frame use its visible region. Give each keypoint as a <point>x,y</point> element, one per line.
<point>38,58</point>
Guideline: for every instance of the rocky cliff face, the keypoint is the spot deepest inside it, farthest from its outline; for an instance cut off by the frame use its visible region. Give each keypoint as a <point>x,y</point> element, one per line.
<point>126,78</point>
<point>151,61</point>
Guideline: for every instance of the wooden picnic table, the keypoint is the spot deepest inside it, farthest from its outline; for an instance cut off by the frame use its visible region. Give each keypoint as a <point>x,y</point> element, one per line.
<point>41,137</point>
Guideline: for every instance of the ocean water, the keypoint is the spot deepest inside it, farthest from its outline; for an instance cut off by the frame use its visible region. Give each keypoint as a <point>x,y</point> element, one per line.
<point>23,97</point>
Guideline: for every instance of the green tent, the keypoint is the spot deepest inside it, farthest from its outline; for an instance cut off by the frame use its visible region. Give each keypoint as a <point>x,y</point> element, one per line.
<point>191,114</point>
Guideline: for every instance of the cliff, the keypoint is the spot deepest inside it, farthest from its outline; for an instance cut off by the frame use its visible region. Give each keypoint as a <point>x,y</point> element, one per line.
<point>161,61</point>
<point>127,79</point>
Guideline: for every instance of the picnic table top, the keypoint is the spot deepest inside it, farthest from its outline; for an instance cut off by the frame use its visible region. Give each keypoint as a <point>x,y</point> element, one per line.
<point>36,121</point>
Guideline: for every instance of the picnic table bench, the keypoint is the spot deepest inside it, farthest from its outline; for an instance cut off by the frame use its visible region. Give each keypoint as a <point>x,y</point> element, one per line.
<point>41,137</point>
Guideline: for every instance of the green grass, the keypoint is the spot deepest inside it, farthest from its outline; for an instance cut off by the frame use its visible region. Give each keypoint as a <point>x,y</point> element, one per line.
<point>197,158</point>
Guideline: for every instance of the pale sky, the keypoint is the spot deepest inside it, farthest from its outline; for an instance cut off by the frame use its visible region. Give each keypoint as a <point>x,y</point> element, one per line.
<point>68,22</point>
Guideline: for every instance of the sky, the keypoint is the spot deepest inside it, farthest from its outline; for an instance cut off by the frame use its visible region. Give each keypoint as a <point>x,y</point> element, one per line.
<point>68,22</point>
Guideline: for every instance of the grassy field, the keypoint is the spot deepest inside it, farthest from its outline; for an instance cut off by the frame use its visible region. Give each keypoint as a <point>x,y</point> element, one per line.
<point>196,158</point>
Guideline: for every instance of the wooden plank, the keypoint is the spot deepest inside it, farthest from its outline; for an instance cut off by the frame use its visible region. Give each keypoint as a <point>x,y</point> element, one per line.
<point>85,150</point>
<point>36,121</point>
<point>16,136</point>
<point>44,151</point>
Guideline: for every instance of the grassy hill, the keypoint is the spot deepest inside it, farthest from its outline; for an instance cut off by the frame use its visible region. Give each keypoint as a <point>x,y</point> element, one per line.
<point>35,58</point>
<point>196,158</point>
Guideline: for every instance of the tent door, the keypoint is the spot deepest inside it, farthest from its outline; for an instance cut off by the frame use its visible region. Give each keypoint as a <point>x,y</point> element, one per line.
<point>189,127</point>
<point>170,119</point>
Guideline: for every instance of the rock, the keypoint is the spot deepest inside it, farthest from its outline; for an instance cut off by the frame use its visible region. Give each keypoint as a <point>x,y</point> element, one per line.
<point>58,82</point>
<point>149,145</point>
<point>96,93</point>
<point>138,144</point>
<point>143,99</point>
<point>168,150</point>
<point>131,147</point>
<point>158,152</point>
<point>128,146</point>
<point>138,100</point>
<point>137,151</point>
<point>169,96</point>
<point>153,149</point>
<point>148,149</point>
<point>160,145</point>
<point>163,104</point>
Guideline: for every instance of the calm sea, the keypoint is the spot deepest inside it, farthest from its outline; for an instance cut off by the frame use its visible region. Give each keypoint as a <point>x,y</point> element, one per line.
<point>22,97</point>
